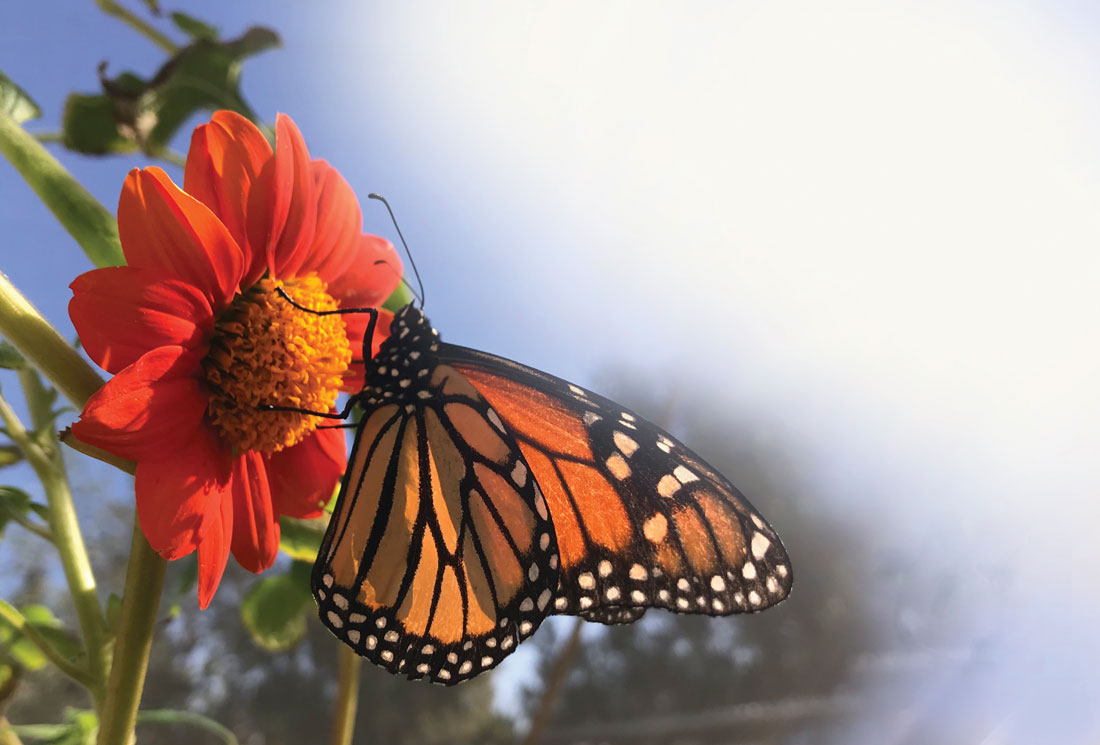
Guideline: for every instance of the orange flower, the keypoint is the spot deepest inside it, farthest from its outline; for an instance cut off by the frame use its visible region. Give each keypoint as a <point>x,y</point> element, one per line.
<point>198,339</point>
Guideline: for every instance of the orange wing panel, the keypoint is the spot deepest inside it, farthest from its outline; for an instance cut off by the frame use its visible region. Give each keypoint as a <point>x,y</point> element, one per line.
<point>532,414</point>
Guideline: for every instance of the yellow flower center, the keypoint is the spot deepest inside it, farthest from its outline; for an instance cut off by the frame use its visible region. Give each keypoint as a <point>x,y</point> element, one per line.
<point>266,351</point>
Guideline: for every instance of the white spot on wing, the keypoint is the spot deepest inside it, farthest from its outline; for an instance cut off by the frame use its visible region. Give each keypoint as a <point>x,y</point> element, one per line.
<point>684,474</point>
<point>624,443</point>
<point>668,486</point>
<point>519,473</point>
<point>760,544</point>
<point>618,466</point>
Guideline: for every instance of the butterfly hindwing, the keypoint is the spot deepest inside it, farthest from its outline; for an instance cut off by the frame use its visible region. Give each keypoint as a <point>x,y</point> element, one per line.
<point>641,521</point>
<point>440,556</point>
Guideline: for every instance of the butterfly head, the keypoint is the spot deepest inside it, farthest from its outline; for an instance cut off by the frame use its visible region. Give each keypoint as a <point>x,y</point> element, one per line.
<point>404,362</point>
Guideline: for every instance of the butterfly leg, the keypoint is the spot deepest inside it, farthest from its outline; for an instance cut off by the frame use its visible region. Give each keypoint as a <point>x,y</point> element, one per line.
<point>368,337</point>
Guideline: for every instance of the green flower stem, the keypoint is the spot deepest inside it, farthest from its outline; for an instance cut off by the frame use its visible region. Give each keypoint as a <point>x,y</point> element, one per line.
<point>347,700</point>
<point>88,221</point>
<point>24,326</point>
<point>137,618</point>
<point>66,529</point>
<point>9,613</point>
<point>110,7</point>
<point>45,458</point>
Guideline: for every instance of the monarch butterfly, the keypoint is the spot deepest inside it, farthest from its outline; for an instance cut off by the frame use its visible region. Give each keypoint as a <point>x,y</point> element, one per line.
<point>482,495</point>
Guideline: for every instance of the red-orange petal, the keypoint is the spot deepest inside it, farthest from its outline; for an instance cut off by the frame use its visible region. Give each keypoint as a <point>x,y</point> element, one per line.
<point>162,227</point>
<point>255,525</point>
<point>282,205</point>
<point>177,492</point>
<point>123,312</point>
<point>225,158</point>
<point>304,477</point>
<point>372,275</point>
<point>217,536</point>
<point>339,225</point>
<point>148,409</point>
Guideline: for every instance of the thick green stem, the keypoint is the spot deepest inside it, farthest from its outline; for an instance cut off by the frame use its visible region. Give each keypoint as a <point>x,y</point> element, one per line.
<point>110,7</point>
<point>24,326</point>
<point>45,457</point>
<point>347,700</point>
<point>137,619</point>
<point>10,614</point>
<point>88,221</point>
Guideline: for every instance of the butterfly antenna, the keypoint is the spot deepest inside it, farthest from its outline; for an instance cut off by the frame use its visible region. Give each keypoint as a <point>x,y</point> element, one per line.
<point>408,253</point>
<point>402,279</point>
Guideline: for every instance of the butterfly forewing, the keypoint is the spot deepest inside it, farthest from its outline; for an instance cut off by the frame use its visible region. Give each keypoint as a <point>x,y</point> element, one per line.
<point>440,556</point>
<point>641,521</point>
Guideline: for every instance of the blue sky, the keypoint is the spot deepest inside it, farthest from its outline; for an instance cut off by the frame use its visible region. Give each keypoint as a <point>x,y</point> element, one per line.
<point>873,224</point>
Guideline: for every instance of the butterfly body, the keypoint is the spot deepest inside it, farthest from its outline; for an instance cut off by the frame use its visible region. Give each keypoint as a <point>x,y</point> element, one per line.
<point>482,495</point>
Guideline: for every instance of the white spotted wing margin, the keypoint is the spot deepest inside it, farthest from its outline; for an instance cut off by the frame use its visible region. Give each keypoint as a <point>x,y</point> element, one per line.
<point>695,544</point>
<point>440,557</point>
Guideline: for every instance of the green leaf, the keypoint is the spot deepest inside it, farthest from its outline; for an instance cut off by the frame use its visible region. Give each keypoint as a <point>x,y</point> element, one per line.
<point>301,539</point>
<point>274,611</point>
<point>15,102</point>
<point>10,357</point>
<point>399,298</point>
<point>193,27</point>
<point>14,504</point>
<point>48,625</point>
<point>78,728</point>
<point>88,221</point>
<point>169,716</point>
<point>10,455</point>
<point>134,113</point>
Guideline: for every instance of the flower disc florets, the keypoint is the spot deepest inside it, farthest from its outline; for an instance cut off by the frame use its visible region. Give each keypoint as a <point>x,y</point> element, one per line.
<point>266,351</point>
